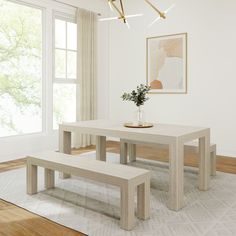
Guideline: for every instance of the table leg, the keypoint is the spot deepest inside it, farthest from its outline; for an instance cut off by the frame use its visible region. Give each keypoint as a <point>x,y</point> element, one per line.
<point>32,178</point>
<point>101,148</point>
<point>213,162</point>
<point>204,162</point>
<point>64,147</point>
<point>176,172</point>
<point>132,152</point>
<point>123,152</point>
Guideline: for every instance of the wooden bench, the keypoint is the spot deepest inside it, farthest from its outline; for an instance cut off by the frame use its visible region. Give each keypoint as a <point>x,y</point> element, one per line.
<point>128,148</point>
<point>125,177</point>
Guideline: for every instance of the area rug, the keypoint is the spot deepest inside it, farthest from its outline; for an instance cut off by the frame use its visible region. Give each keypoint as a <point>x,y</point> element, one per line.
<point>93,208</point>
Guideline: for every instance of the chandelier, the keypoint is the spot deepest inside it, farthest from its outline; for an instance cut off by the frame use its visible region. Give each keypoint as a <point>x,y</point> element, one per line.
<point>118,6</point>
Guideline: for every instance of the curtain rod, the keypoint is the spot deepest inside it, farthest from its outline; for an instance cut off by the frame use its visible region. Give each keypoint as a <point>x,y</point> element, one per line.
<point>99,14</point>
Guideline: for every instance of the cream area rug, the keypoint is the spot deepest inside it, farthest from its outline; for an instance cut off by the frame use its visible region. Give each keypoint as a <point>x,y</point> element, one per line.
<point>93,208</point>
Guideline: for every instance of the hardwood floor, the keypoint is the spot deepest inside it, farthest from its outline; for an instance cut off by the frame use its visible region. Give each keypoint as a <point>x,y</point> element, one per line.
<point>15,221</point>
<point>223,163</point>
<point>11,165</point>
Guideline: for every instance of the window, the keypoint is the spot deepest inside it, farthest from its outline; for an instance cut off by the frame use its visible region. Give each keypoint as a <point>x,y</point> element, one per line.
<point>20,69</point>
<point>65,73</point>
<point>65,49</point>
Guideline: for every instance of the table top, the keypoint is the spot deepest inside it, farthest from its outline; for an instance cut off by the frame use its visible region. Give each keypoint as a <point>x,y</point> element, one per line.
<point>117,129</point>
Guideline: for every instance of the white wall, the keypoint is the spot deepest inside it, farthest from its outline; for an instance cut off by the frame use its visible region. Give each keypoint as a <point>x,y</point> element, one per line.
<point>19,146</point>
<point>211,98</point>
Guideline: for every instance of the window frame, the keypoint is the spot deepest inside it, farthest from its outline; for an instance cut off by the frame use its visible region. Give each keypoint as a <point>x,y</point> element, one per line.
<point>67,18</point>
<point>49,10</point>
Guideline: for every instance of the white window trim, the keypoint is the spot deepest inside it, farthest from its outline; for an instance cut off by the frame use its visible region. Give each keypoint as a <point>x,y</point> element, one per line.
<point>68,18</point>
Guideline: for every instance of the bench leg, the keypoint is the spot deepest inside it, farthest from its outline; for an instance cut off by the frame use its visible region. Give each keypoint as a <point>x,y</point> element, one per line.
<point>213,162</point>
<point>127,207</point>
<point>143,200</point>
<point>32,182</point>
<point>123,152</point>
<point>49,178</point>
<point>132,152</point>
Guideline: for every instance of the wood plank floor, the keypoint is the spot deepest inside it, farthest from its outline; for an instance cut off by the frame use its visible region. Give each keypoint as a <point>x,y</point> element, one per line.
<point>15,221</point>
<point>223,163</point>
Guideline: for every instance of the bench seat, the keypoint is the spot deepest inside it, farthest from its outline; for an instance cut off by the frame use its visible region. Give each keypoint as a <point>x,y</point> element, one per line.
<point>125,177</point>
<point>128,148</point>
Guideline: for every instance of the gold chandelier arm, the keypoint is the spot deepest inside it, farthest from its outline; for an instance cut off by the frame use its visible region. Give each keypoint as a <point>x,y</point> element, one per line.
<point>162,15</point>
<point>122,9</point>
<point>117,9</point>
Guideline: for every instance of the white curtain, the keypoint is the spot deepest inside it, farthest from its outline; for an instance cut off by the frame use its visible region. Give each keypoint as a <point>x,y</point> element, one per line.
<point>87,72</point>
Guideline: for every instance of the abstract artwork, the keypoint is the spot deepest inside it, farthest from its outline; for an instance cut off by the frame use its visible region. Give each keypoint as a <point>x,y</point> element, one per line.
<point>167,63</point>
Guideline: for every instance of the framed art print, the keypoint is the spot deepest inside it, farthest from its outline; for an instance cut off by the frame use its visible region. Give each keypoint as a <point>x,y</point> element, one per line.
<point>167,63</point>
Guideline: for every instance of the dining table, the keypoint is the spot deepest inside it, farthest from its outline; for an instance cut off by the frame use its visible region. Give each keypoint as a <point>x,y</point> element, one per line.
<point>172,135</point>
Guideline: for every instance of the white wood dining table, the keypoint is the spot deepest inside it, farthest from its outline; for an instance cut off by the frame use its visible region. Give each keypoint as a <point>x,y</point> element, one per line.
<point>175,136</point>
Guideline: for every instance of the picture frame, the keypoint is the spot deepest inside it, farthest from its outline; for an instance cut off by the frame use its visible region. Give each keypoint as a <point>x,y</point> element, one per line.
<point>167,63</point>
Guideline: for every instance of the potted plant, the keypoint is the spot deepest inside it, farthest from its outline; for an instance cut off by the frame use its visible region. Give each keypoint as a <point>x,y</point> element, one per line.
<point>139,97</point>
